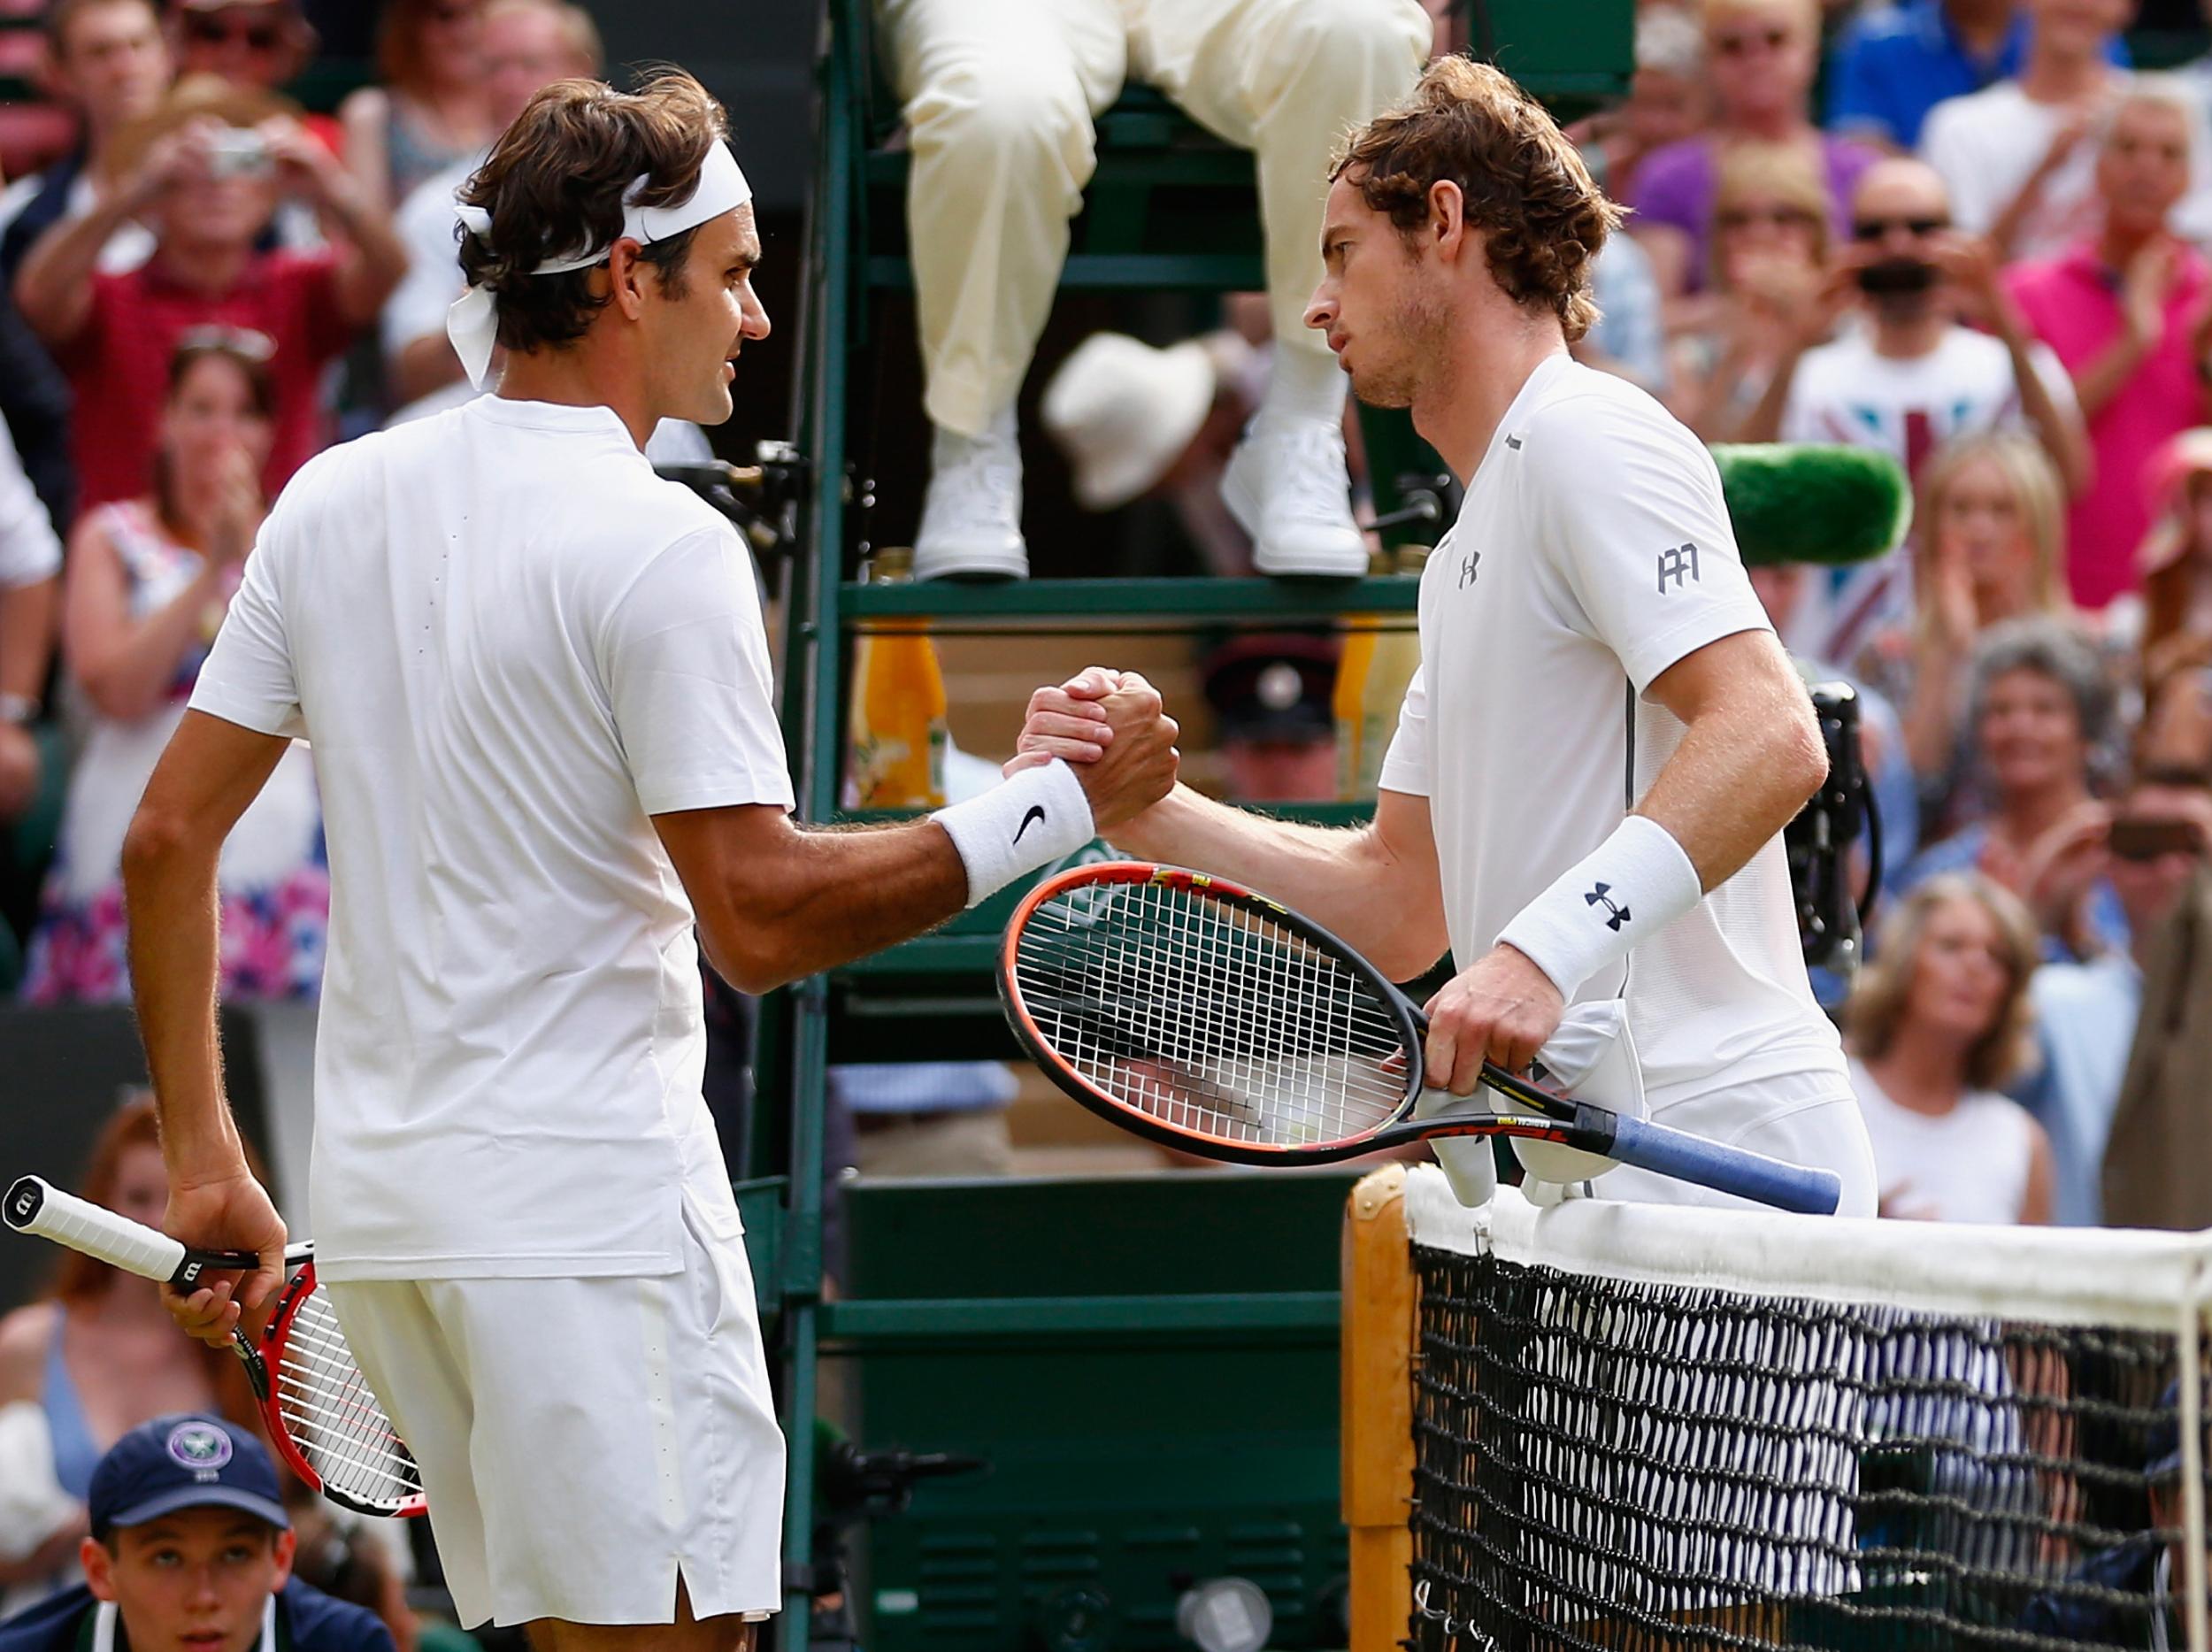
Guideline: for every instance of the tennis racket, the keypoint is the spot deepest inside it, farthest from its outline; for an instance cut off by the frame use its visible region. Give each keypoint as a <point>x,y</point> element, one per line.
<point>1209,1019</point>
<point>321,1417</point>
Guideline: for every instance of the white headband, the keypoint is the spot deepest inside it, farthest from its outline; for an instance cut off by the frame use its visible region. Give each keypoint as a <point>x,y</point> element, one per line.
<point>473,322</point>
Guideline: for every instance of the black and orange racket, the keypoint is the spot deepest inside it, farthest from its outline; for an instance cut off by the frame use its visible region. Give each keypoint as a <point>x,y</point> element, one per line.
<point>1215,1021</point>
<point>321,1416</point>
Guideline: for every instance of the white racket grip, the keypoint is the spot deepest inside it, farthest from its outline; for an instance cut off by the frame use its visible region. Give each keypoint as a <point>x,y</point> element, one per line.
<point>36,1207</point>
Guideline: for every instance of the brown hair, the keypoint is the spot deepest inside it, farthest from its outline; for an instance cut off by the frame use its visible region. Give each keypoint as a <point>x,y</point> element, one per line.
<point>79,1279</point>
<point>554,187</point>
<point>402,63</point>
<point>1877,1006</point>
<point>248,351</point>
<point>1542,219</point>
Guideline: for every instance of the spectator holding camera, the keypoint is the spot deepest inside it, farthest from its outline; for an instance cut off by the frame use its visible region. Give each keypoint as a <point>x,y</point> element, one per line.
<point>111,61</point>
<point>1910,375</point>
<point>206,175</point>
<point>2127,311</point>
<point>148,581</point>
<point>1940,1021</point>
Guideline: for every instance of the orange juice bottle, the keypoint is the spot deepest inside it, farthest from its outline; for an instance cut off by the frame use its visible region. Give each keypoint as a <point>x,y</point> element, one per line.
<point>897,723</point>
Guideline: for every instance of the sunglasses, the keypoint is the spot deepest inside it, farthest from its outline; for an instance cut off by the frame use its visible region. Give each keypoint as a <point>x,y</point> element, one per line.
<point>1742,41</point>
<point>1875,228</point>
<point>210,30</point>
<point>1779,217</point>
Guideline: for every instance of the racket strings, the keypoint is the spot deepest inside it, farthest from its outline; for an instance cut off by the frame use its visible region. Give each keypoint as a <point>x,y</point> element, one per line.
<point>332,1418</point>
<point>1211,1017</point>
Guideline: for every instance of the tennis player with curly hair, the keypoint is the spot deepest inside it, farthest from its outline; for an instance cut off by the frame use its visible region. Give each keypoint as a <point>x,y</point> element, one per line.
<point>536,682</point>
<point>1604,739</point>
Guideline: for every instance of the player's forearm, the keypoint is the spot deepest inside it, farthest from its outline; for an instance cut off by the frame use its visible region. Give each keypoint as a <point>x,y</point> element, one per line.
<point>827,897</point>
<point>1348,879</point>
<point>1741,774</point>
<point>169,894</point>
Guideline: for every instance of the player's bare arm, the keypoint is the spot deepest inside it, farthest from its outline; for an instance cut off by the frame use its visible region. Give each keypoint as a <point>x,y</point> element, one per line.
<point>209,774</point>
<point>777,901</point>
<point>1377,885</point>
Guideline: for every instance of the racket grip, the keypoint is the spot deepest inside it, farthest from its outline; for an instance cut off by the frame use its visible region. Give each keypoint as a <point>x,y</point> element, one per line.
<point>1671,1152</point>
<point>37,1207</point>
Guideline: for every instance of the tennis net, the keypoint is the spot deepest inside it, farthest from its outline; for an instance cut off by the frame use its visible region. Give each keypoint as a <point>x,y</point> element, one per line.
<point>1634,1427</point>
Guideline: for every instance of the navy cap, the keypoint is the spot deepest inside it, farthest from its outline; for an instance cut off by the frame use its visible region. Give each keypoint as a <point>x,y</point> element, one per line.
<point>186,1461</point>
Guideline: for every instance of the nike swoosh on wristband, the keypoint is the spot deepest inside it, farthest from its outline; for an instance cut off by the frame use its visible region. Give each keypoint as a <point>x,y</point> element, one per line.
<point>1036,812</point>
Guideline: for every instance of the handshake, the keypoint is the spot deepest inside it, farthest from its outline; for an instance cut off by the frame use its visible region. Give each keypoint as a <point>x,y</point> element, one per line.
<point>1109,727</point>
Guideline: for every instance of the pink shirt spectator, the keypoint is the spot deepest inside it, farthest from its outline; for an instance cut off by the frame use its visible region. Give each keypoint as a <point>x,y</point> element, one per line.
<point>119,363</point>
<point>2073,303</point>
<point>1676,185</point>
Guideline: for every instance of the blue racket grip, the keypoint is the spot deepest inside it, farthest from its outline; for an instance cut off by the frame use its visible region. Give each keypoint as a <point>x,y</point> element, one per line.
<point>1671,1152</point>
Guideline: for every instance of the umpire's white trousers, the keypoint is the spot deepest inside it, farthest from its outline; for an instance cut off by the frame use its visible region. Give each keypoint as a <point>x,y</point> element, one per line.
<point>999,97</point>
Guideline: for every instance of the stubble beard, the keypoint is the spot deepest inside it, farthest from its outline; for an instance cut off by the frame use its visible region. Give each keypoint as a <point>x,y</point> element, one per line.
<point>1415,331</point>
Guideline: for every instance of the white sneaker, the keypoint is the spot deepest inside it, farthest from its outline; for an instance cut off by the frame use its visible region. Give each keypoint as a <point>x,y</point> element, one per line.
<point>1287,488</point>
<point>972,514</point>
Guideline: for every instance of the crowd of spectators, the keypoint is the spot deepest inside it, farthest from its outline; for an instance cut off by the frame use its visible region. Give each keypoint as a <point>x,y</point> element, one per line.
<point>1969,234</point>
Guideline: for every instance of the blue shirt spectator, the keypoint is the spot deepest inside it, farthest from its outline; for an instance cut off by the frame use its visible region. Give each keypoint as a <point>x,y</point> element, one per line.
<point>1894,63</point>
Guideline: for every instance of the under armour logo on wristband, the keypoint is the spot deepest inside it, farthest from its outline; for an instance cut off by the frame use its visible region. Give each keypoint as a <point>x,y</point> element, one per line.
<point>1601,897</point>
<point>1036,813</point>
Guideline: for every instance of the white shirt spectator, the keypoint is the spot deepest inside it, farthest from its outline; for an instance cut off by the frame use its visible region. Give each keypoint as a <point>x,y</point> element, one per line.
<point>508,680</point>
<point>1845,391</point>
<point>1970,1164</point>
<point>1986,145</point>
<point>30,550</point>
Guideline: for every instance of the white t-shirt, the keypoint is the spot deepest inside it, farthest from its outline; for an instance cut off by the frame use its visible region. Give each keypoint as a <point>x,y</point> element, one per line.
<point>1970,1164</point>
<point>1592,552</point>
<point>30,551</point>
<point>1844,391</point>
<point>1985,145</point>
<point>511,644</point>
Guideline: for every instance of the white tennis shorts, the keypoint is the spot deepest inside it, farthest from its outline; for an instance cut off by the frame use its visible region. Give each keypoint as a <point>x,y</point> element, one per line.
<point>1802,1118</point>
<point>584,1442</point>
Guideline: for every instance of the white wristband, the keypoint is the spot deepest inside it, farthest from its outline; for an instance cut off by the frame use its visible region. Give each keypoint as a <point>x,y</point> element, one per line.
<point>1039,816</point>
<point>1631,886</point>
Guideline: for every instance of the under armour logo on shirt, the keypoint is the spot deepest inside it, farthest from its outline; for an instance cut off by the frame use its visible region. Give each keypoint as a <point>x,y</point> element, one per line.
<point>1467,568</point>
<point>1602,896</point>
<point>1678,563</point>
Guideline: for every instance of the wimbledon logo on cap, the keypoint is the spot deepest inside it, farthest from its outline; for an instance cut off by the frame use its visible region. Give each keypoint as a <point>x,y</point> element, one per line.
<point>201,1446</point>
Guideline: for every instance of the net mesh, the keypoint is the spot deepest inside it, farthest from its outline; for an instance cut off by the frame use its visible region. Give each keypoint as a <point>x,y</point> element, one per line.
<point>334,1418</point>
<point>1209,1016</point>
<point>1660,1460</point>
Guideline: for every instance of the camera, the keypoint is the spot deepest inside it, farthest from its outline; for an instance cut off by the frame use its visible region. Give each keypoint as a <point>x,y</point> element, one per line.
<point>1818,842</point>
<point>237,152</point>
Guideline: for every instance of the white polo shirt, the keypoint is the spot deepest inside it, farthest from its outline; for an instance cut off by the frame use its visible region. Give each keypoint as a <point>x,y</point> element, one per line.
<point>1593,552</point>
<point>511,644</point>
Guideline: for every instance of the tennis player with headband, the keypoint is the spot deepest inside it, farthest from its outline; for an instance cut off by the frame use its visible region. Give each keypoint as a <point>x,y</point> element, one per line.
<point>1603,741</point>
<point>537,684</point>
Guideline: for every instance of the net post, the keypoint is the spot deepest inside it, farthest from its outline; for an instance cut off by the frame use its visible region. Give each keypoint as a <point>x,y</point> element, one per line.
<point>1377,1429</point>
<point>2190,1361</point>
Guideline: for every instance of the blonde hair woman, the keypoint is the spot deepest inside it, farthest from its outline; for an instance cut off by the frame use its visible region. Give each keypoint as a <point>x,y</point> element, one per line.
<point>1768,255</point>
<point>1938,1021</point>
<point>1993,518</point>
